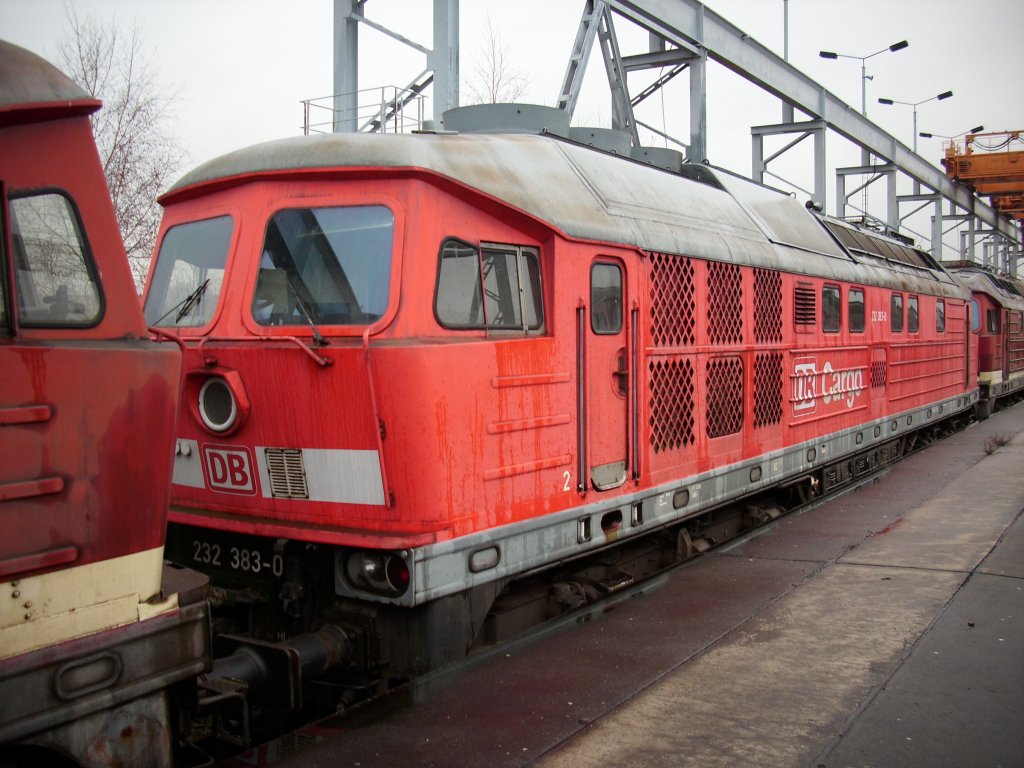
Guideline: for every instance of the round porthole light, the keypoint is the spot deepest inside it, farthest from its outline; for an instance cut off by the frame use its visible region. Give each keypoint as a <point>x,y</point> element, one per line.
<point>217,406</point>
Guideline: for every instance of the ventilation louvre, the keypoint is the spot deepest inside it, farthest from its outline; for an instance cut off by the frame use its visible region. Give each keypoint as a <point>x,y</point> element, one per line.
<point>805,308</point>
<point>287,473</point>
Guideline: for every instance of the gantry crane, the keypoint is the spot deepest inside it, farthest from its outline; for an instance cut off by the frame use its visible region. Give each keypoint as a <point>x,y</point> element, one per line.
<point>992,163</point>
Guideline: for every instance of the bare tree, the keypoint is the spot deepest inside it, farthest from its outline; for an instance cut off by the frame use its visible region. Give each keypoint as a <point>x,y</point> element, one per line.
<point>140,155</point>
<point>494,78</point>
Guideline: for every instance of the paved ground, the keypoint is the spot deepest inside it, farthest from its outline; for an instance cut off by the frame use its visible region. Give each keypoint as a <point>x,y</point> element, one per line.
<point>885,628</point>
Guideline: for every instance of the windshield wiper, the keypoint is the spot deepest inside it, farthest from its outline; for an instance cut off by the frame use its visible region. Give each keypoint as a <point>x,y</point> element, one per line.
<point>184,305</point>
<point>190,301</point>
<point>319,340</point>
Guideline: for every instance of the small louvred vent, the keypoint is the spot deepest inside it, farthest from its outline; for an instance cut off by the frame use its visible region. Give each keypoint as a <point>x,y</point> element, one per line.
<point>287,473</point>
<point>804,307</point>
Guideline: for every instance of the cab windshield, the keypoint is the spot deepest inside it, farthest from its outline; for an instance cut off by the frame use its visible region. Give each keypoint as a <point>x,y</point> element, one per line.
<point>332,264</point>
<point>189,272</point>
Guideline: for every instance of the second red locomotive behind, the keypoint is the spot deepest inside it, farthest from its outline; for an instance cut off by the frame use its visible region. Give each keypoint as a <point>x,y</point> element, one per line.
<point>997,319</point>
<point>422,369</point>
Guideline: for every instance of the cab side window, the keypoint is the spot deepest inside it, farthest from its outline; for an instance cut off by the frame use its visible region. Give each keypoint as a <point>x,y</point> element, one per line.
<point>606,299</point>
<point>831,309</point>
<point>493,287</point>
<point>912,318</point>
<point>896,313</point>
<point>855,299</point>
<point>56,283</point>
<point>993,321</point>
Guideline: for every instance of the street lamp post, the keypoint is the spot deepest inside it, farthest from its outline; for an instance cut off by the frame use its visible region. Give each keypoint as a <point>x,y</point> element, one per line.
<point>863,68</point>
<point>926,135</point>
<point>865,155</point>
<point>915,105</point>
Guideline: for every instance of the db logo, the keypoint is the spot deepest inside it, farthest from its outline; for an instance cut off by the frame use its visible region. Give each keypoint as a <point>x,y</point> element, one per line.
<point>228,469</point>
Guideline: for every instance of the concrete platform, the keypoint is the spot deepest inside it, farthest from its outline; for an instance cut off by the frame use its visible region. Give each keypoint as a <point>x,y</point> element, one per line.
<point>885,628</point>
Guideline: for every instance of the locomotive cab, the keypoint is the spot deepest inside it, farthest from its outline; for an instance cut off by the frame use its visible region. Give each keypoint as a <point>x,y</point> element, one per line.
<point>95,634</point>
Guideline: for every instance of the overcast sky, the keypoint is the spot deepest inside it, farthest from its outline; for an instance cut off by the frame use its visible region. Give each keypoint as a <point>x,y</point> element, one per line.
<point>240,68</point>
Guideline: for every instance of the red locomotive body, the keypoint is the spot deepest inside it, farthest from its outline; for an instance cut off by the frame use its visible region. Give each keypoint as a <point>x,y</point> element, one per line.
<point>89,642</point>
<point>420,367</point>
<point>997,320</point>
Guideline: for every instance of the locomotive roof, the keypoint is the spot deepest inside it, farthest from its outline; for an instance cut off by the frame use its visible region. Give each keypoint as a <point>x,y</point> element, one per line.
<point>1006,292</point>
<point>590,195</point>
<point>33,89</point>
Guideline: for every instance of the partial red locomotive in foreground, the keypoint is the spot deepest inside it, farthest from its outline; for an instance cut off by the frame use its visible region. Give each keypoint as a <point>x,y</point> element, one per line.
<point>997,318</point>
<point>422,367</point>
<point>94,635</point>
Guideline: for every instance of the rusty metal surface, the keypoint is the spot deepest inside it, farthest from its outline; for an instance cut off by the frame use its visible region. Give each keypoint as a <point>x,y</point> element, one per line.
<point>770,653</point>
<point>99,673</point>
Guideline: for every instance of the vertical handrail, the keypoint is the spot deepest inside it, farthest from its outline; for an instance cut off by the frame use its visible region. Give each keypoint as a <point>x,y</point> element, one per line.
<point>634,389</point>
<point>378,423</point>
<point>581,397</point>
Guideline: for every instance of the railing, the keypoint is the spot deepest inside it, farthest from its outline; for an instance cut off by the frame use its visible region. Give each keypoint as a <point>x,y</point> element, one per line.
<point>387,109</point>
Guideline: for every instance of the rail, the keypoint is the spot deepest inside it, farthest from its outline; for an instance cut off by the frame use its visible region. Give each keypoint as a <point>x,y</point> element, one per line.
<point>385,109</point>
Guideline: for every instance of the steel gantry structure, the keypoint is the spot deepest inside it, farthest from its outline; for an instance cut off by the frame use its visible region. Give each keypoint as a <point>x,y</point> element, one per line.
<point>683,36</point>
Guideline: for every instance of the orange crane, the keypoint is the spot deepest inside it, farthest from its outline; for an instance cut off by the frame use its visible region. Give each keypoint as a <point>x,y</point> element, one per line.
<point>993,164</point>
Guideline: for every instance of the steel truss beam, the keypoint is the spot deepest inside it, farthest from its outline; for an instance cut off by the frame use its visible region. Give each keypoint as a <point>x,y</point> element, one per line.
<point>691,25</point>
<point>442,60</point>
<point>684,35</point>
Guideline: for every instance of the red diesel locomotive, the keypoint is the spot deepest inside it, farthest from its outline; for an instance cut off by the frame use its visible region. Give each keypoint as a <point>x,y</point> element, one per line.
<point>94,635</point>
<point>421,367</point>
<point>997,318</point>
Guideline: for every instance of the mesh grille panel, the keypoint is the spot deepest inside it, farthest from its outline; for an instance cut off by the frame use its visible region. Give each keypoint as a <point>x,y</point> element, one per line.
<point>725,396</point>
<point>725,303</point>
<point>671,403</point>
<point>767,389</point>
<point>767,306</point>
<point>878,374</point>
<point>673,308</point>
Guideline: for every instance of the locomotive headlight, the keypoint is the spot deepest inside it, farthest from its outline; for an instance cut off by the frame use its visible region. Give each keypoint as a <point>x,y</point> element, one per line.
<point>217,406</point>
<point>383,573</point>
<point>218,399</point>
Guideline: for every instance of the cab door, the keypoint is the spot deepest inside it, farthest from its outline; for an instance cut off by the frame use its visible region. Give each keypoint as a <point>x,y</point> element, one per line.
<point>607,375</point>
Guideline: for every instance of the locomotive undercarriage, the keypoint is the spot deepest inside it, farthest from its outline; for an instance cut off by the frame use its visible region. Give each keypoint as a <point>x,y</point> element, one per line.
<point>289,651</point>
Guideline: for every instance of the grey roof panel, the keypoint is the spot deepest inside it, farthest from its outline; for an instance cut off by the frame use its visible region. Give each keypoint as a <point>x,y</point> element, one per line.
<point>30,83</point>
<point>589,195</point>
